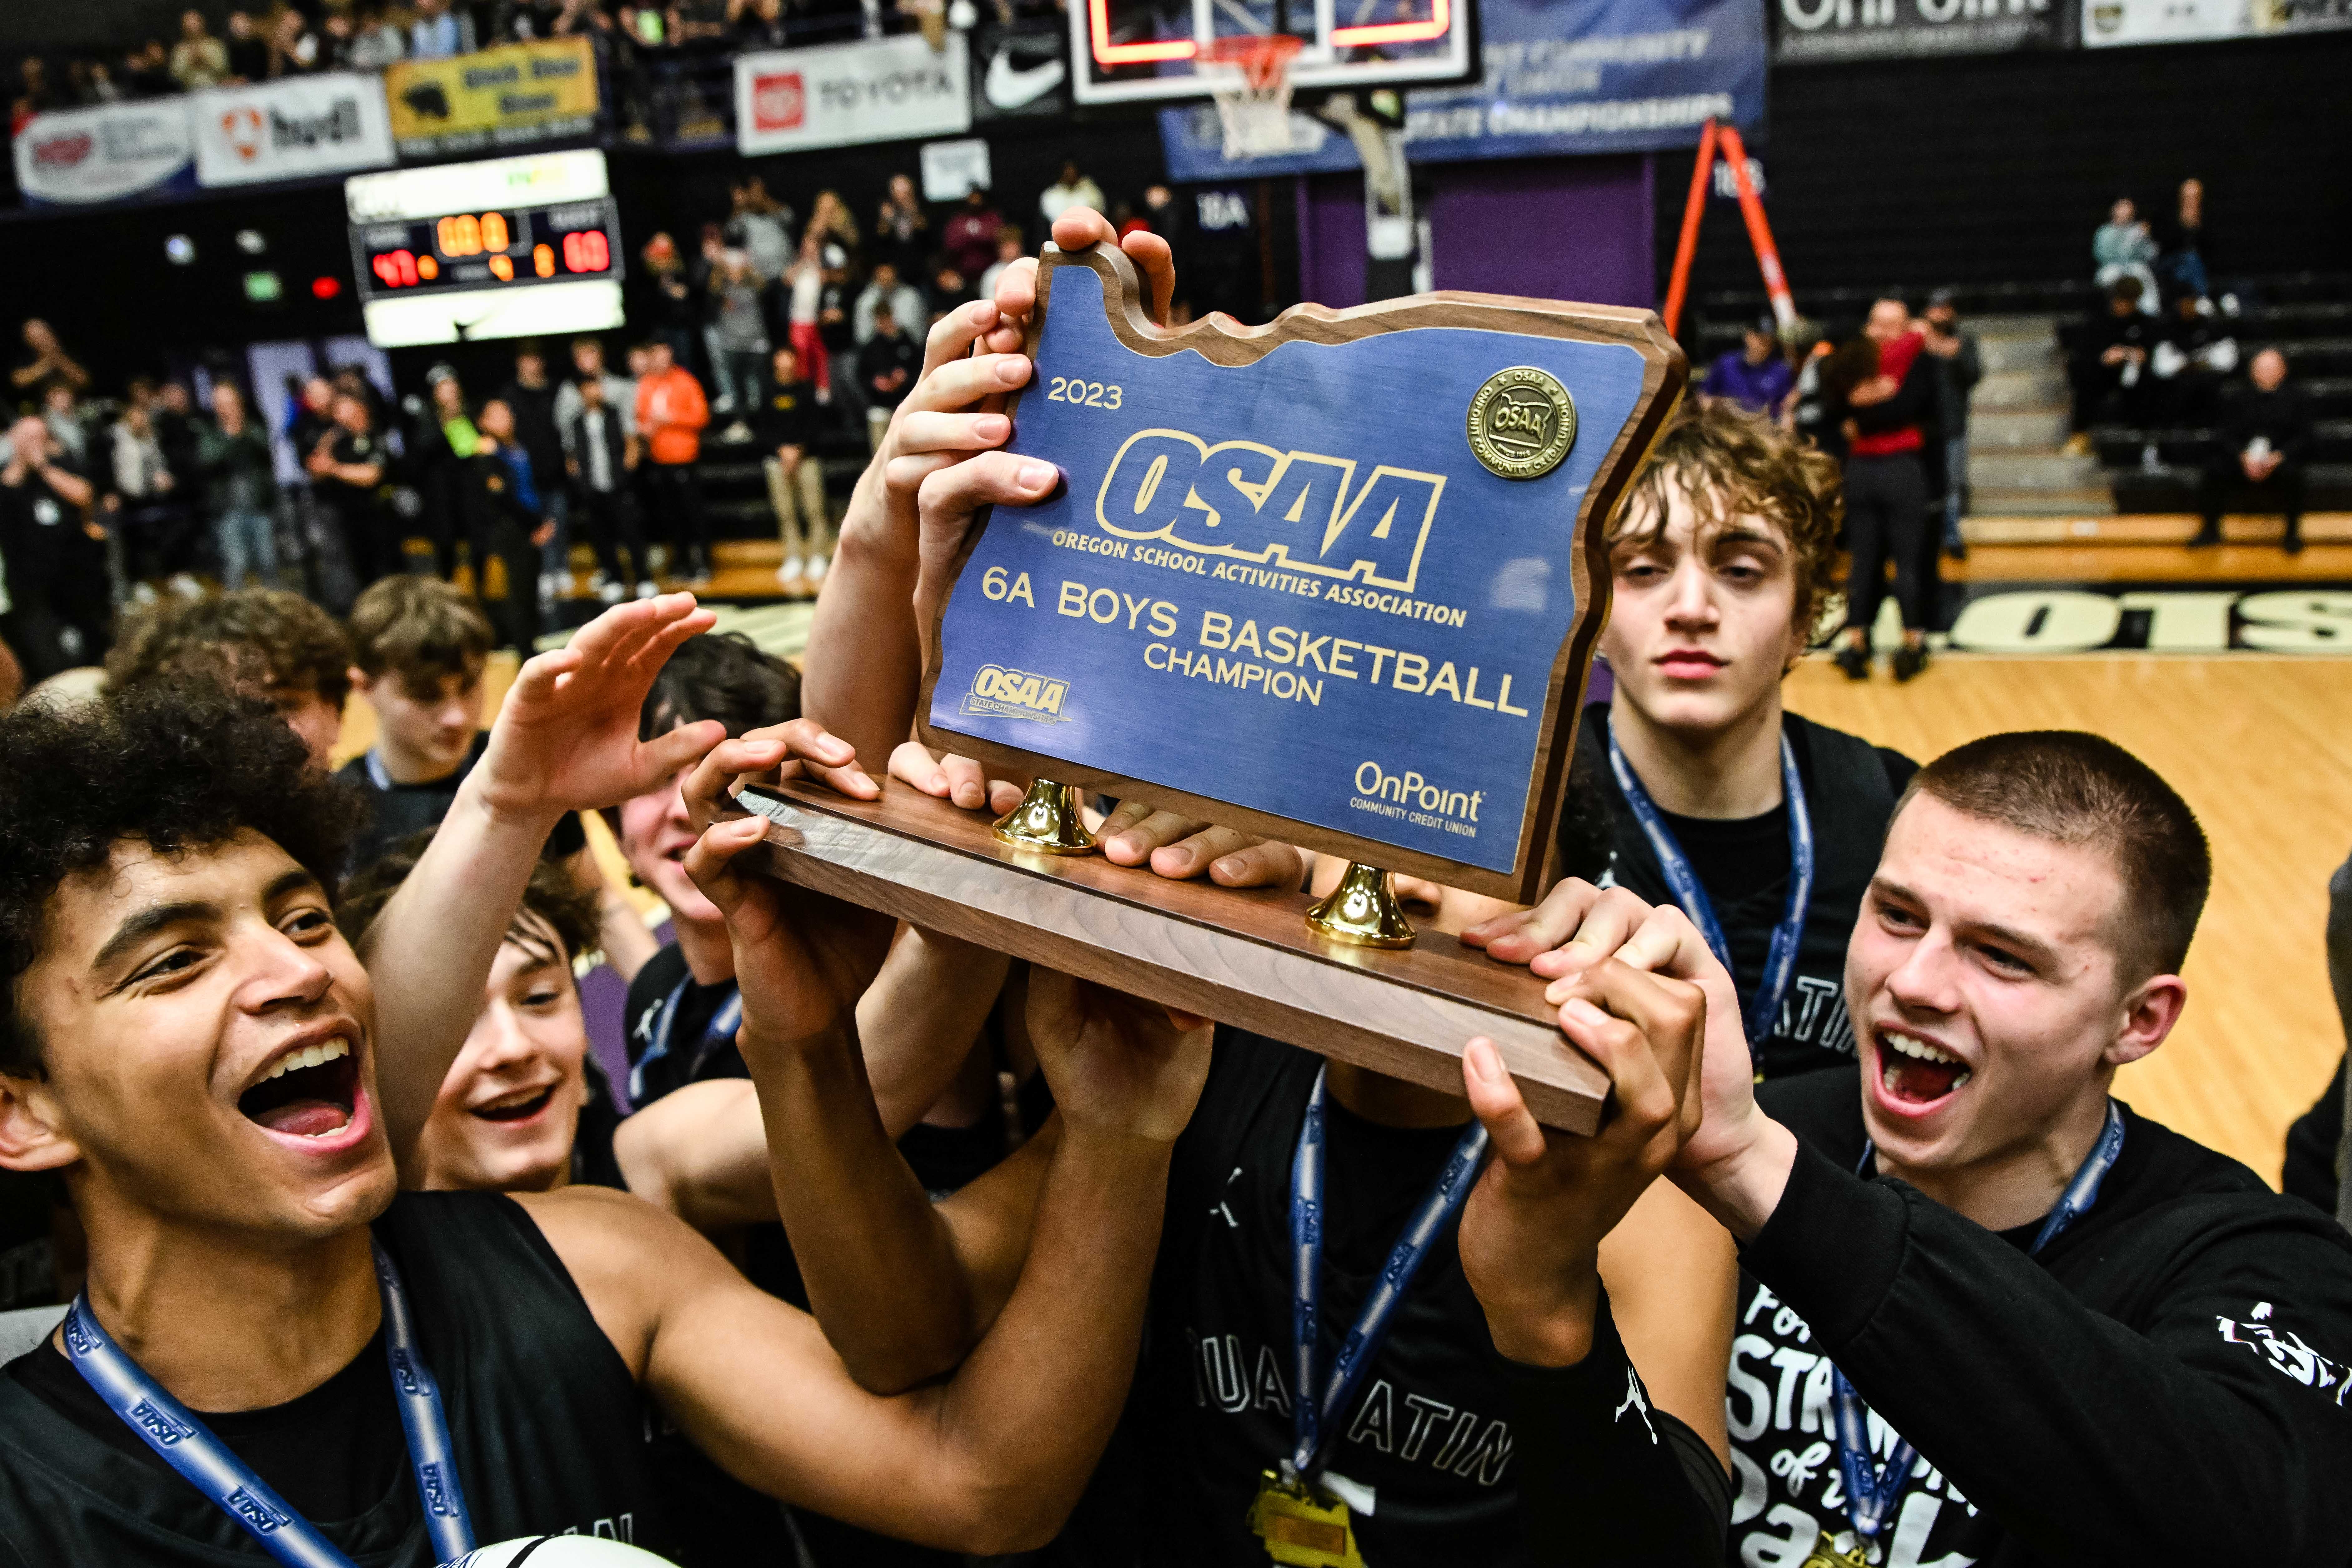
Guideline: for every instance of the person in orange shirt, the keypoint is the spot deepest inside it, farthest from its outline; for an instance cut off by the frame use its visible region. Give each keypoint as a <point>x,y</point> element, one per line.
<point>671,413</point>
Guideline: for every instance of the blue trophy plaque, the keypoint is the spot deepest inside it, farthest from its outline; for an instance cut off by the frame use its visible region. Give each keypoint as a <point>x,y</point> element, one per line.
<point>1336,580</point>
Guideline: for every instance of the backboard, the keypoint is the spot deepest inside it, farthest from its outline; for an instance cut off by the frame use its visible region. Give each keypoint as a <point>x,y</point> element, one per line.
<point>1131,51</point>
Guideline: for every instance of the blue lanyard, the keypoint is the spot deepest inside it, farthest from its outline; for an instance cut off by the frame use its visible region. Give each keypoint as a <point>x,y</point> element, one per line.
<point>723,1023</point>
<point>1311,1418</point>
<point>189,1446</point>
<point>1761,1013</point>
<point>1871,1490</point>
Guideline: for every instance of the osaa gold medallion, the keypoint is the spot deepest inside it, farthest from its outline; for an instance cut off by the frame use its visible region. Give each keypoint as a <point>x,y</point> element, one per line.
<point>1522,423</point>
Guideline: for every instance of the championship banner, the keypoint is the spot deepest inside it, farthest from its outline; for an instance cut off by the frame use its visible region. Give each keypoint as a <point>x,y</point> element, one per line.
<point>1560,77</point>
<point>79,156</point>
<point>286,130</point>
<point>2107,24</point>
<point>838,95</point>
<point>505,96</point>
<point>1886,30</point>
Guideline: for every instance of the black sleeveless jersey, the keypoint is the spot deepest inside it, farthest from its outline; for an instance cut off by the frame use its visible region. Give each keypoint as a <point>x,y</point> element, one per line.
<point>1851,787</point>
<point>549,1426</point>
<point>1427,1441</point>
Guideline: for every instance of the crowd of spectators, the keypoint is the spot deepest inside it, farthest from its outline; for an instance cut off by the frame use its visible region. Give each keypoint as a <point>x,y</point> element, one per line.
<point>769,342</point>
<point>650,50</point>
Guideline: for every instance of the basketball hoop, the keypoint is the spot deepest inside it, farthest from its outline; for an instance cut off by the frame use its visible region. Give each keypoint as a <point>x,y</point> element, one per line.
<point>1254,100</point>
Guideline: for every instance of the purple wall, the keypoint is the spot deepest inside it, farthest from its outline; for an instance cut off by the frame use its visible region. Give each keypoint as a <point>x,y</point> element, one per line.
<point>1555,229</point>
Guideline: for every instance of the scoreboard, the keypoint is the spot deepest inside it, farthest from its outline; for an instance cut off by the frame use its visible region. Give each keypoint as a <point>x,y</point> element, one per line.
<point>501,248</point>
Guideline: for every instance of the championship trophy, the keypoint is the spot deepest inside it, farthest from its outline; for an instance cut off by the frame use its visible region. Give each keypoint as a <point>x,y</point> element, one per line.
<point>1336,581</point>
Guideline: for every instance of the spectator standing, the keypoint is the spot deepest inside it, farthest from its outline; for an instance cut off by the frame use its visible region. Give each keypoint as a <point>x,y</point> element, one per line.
<point>240,484</point>
<point>888,364</point>
<point>602,451</point>
<point>671,415</point>
<point>248,51</point>
<point>588,364</point>
<point>2110,367</point>
<point>831,221</point>
<point>1959,359</point>
<point>785,431</point>
<point>143,503</point>
<point>761,25</point>
<point>671,306</point>
<point>737,336</point>
<point>885,292</point>
<point>530,397</point>
<point>837,327</point>
<point>44,358</point>
<point>445,437</point>
<point>1072,190</point>
<point>1889,418</point>
<point>2260,446</point>
<point>969,236</point>
<point>62,412</point>
<point>147,71</point>
<point>440,31</point>
<point>54,556</point>
<point>761,226</point>
<point>198,60</point>
<point>376,45</point>
<point>1754,375</point>
<point>2123,249</point>
<point>506,520</point>
<point>804,294</point>
<point>294,48</point>
<point>36,95</point>
<point>348,468</point>
<point>2182,258</point>
<point>902,234</point>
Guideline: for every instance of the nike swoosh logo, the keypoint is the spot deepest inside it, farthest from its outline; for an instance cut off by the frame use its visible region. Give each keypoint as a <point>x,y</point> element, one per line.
<point>1009,87</point>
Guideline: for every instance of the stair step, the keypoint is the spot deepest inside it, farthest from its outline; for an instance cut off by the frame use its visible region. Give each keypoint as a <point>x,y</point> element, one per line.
<point>2008,429</point>
<point>2081,500</point>
<point>2158,529</point>
<point>1999,354</point>
<point>2034,470</point>
<point>2020,389</point>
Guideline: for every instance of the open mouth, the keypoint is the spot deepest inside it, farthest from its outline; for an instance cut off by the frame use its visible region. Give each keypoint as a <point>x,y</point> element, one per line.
<point>1912,1072</point>
<point>519,1106</point>
<point>310,1093</point>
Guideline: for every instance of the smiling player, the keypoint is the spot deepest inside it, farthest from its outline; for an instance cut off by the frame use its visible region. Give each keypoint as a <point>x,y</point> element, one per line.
<point>2098,1341</point>
<point>1760,825</point>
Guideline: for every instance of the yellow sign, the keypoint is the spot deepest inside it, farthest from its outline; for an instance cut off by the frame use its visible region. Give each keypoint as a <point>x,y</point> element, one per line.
<point>509,96</point>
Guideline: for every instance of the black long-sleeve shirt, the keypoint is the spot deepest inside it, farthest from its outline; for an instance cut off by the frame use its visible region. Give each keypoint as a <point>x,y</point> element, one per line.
<point>2164,1382</point>
<point>2281,416</point>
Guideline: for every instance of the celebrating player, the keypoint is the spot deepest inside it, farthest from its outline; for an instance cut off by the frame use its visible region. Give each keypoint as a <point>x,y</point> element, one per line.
<point>194,1045</point>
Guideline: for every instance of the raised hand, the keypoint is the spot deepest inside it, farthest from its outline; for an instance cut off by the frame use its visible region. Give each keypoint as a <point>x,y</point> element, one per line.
<point>566,738</point>
<point>801,960</point>
<point>1531,1230</point>
<point>1117,1066</point>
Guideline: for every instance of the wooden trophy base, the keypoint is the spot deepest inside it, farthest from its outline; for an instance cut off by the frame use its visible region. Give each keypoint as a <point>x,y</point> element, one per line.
<point>1241,957</point>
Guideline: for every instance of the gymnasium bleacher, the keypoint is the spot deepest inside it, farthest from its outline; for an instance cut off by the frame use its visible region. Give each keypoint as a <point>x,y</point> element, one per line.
<point>2018,468</point>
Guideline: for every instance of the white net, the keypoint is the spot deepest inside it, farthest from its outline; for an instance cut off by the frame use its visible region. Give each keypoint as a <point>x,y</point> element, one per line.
<point>1254,100</point>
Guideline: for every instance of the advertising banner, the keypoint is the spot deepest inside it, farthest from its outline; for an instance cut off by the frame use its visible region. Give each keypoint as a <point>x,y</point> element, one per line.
<point>837,95</point>
<point>82,155</point>
<point>1020,69</point>
<point>285,130</point>
<point>1560,77</point>
<point>1883,29</point>
<point>507,97</point>
<point>2110,22</point>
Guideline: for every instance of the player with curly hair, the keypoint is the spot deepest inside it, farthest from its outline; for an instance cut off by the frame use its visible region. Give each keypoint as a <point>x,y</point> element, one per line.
<point>1762,826</point>
<point>273,644</point>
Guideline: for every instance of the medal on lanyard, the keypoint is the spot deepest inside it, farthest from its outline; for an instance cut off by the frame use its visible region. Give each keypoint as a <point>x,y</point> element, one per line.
<point>1871,1489</point>
<point>186,1444</point>
<point>1300,1523</point>
<point>1760,1013</point>
<point>723,1026</point>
